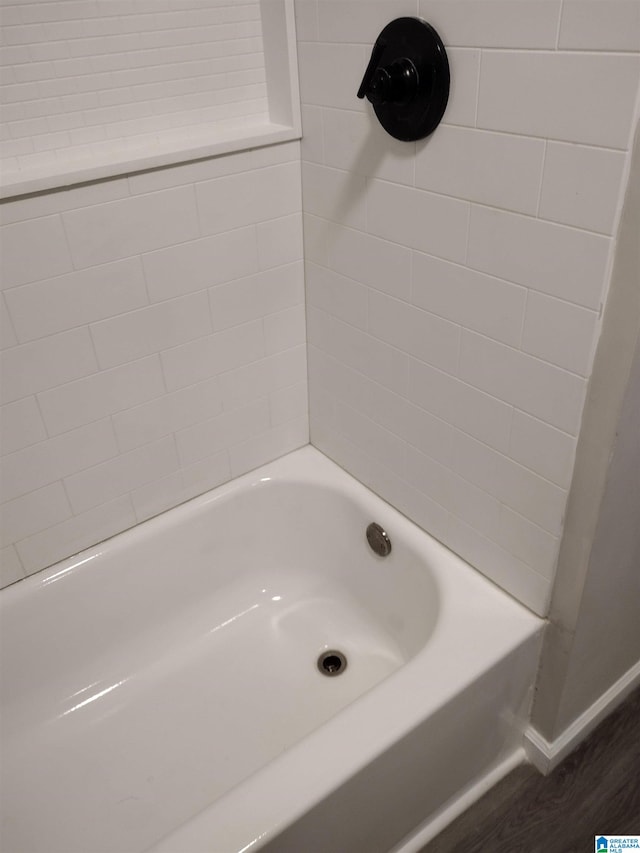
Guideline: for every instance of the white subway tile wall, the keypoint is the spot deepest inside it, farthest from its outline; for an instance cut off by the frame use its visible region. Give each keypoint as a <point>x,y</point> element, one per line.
<point>454,285</point>
<point>154,344</point>
<point>80,76</point>
<point>153,347</point>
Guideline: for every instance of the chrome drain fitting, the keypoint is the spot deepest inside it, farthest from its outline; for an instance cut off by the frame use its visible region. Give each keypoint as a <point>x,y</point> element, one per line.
<point>378,540</point>
<point>332,663</point>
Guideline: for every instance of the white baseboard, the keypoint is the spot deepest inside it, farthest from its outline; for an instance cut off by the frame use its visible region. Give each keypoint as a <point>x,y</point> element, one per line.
<point>434,825</point>
<point>546,755</point>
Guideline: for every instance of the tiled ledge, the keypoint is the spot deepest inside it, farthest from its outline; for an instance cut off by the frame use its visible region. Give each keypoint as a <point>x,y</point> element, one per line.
<point>149,151</point>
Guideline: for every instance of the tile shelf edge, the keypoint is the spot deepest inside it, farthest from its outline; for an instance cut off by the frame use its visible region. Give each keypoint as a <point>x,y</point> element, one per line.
<point>62,176</point>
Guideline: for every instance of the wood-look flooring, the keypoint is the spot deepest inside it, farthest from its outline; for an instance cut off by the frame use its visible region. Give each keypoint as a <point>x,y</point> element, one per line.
<point>595,791</point>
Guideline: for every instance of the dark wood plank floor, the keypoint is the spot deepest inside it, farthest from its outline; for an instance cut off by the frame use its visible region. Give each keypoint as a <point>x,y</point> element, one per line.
<point>595,791</point>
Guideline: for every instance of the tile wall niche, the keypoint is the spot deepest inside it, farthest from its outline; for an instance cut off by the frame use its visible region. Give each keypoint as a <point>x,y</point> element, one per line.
<point>455,285</point>
<point>97,88</point>
<point>153,346</point>
<point>82,73</point>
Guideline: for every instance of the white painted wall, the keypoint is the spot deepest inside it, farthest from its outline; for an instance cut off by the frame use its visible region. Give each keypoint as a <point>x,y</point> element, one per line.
<point>607,637</point>
<point>153,341</point>
<point>454,285</point>
<point>592,642</point>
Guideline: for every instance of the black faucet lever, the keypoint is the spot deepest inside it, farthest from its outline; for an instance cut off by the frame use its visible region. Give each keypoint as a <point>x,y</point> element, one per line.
<point>376,54</point>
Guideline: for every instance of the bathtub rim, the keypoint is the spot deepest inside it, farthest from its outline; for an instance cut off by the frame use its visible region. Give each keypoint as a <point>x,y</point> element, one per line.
<point>263,809</point>
<point>256,809</point>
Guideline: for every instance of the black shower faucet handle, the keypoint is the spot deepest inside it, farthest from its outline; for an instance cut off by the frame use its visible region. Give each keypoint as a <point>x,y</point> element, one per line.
<point>395,83</point>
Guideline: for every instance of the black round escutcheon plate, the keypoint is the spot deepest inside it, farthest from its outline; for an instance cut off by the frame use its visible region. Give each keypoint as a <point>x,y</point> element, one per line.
<point>407,79</point>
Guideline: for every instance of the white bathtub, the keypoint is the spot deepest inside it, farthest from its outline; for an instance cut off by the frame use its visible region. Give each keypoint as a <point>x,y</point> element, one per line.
<point>161,691</point>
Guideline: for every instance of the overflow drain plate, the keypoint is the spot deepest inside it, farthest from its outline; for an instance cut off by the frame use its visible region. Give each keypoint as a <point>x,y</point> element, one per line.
<point>378,540</point>
<point>332,662</point>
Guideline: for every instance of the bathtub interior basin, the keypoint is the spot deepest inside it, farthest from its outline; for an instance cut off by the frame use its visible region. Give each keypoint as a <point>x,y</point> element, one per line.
<point>162,690</point>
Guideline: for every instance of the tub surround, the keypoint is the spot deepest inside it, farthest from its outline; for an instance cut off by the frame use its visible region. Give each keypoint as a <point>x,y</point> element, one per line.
<point>153,346</point>
<point>448,360</point>
<point>454,285</point>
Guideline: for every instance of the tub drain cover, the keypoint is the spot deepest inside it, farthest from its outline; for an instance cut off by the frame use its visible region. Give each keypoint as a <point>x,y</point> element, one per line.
<point>332,663</point>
